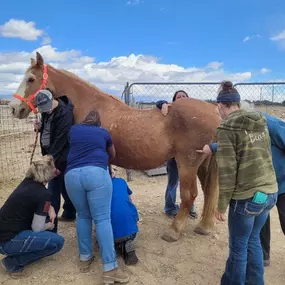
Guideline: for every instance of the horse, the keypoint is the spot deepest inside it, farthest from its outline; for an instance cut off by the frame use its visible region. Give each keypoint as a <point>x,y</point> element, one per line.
<point>143,139</point>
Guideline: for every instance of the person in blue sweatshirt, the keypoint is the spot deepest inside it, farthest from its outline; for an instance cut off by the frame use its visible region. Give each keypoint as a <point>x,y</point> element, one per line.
<point>276,128</point>
<point>124,218</point>
<point>171,208</point>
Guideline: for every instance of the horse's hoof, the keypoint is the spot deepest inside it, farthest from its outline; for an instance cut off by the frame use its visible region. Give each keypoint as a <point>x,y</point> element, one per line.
<point>170,236</point>
<point>202,231</point>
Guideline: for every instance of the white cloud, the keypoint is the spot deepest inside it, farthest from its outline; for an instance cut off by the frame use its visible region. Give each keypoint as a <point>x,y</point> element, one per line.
<point>265,70</point>
<point>112,74</point>
<point>46,40</point>
<point>134,2</point>
<point>215,65</point>
<point>279,37</point>
<point>20,29</point>
<point>249,38</point>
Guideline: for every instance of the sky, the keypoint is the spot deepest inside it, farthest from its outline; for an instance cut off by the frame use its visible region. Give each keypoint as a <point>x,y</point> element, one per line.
<point>111,42</point>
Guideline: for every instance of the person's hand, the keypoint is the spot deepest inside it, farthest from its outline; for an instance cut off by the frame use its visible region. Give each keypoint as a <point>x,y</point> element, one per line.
<point>205,150</point>
<point>49,226</point>
<point>52,214</point>
<point>220,217</point>
<point>164,109</point>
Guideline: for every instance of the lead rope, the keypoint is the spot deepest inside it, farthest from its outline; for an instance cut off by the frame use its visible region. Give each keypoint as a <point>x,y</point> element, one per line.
<point>36,139</point>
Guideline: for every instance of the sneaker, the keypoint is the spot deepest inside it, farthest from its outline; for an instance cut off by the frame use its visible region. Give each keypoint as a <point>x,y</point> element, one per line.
<point>25,272</point>
<point>84,266</point>
<point>115,276</point>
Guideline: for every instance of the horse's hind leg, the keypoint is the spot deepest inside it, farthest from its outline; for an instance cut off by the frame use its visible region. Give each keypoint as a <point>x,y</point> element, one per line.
<point>188,193</point>
<point>208,177</point>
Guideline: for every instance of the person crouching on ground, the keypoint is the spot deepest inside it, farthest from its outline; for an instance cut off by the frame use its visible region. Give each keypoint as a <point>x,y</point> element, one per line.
<point>124,218</point>
<point>24,235</point>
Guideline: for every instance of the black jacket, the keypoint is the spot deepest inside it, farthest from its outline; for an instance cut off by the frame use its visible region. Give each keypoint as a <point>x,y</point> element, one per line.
<point>60,125</point>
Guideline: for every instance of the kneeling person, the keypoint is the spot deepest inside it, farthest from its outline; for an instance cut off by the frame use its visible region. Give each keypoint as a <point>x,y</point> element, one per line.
<point>24,238</point>
<point>124,218</point>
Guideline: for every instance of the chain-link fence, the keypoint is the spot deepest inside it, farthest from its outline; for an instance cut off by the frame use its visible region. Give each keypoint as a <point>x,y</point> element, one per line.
<point>16,144</point>
<point>145,95</point>
<point>268,97</point>
<point>17,136</point>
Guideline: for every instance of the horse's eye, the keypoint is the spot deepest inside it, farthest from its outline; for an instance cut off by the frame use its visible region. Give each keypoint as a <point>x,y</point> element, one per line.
<point>31,80</point>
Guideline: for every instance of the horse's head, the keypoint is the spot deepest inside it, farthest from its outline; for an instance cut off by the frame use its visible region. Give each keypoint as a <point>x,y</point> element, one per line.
<point>35,79</point>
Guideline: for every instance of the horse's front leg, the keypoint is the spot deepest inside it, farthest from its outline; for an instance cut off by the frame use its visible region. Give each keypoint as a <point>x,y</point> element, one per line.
<point>188,193</point>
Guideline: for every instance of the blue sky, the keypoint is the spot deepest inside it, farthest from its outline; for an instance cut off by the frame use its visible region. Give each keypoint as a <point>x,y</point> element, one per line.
<point>205,40</point>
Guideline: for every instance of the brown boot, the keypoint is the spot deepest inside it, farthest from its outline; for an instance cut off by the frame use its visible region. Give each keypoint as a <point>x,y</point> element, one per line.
<point>21,274</point>
<point>116,275</point>
<point>84,266</point>
<point>25,272</point>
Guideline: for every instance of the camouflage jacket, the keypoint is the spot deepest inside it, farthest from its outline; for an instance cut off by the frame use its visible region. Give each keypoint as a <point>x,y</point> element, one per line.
<point>244,158</point>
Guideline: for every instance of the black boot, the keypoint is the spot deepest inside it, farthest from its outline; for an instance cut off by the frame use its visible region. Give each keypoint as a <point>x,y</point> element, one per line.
<point>129,253</point>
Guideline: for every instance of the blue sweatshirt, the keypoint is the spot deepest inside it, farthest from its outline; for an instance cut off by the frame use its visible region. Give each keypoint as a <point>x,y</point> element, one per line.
<point>159,104</point>
<point>124,214</point>
<point>276,128</point>
<point>88,146</point>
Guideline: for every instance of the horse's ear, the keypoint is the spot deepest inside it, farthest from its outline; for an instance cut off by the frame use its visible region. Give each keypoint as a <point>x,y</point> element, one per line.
<point>40,60</point>
<point>33,62</point>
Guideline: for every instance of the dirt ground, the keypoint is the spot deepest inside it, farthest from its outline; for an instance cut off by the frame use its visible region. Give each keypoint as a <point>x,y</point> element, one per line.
<point>193,260</point>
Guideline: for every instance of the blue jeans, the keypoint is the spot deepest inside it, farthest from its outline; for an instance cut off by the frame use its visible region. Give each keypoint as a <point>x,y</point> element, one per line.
<point>57,188</point>
<point>28,247</point>
<point>245,263</point>
<point>90,190</point>
<point>171,208</point>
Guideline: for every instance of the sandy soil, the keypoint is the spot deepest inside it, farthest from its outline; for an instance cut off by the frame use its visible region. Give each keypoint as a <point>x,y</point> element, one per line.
<point>193,260</point>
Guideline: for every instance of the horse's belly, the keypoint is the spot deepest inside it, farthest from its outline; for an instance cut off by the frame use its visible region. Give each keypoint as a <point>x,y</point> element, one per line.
<point>139,158</point>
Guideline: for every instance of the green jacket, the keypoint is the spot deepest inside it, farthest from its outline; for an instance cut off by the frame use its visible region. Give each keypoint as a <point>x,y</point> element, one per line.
<point>244,158</point>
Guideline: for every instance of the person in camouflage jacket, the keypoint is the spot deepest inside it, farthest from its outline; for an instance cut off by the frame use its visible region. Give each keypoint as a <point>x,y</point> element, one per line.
<point>247,184</point>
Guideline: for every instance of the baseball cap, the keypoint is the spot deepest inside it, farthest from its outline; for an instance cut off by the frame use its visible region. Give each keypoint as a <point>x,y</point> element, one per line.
<point>44,101</point>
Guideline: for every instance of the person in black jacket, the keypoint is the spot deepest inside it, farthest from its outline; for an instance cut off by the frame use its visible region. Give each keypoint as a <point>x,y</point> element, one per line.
<point>170,207</point>
<point>56,121</point>
<point>26,219</point>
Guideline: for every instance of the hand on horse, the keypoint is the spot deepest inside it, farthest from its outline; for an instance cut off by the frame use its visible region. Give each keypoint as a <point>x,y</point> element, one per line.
<point>206,150</point>
<point>164,109</point>
<point>220,217</point>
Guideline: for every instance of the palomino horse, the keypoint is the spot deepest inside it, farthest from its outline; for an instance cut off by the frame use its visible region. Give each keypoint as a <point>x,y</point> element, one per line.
<point>144,139</point>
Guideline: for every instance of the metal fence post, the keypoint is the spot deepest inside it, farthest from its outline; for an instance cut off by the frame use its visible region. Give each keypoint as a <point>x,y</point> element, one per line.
<point>127,101</point>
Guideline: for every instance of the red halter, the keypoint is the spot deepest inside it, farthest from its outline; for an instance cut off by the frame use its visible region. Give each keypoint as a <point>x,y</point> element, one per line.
<point>29,100</point>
